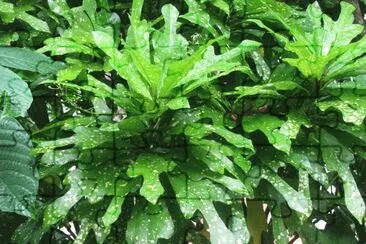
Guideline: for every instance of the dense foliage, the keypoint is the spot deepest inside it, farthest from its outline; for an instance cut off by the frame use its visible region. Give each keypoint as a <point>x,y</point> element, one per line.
<point>203,121</point>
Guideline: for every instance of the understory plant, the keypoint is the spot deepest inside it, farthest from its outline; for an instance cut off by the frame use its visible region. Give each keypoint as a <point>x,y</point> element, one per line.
<point>208,121</point>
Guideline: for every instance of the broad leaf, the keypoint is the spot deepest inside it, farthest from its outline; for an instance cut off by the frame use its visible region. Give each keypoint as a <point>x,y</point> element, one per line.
<point>17,90</point>
<point>18,183</point>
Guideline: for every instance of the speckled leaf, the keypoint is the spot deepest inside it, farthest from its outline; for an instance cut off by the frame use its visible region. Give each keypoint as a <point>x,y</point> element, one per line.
<point>338,158</point>
<point>321,44</point>
<point>150,166</point>
<point>300,159</point>
<point>269,125</point>
<point>266,90</point>
<point>46,146</point>
<point>92,183</point>
<point>215,158</point>
<point>122,63</point>
<point>280,233</point>
<point>168,44</point>
<point>261,66</point>
<point>178,103</point>
<point>237,223</point>
<point>296,200</point>
<point>197,171</point>
<point>115,207</point>
<point>61,46</point>
<point>59,157</point>
<point>295,119</point>
<point>218,63</point>
<point>197,14</point>
<point>201,130</point>
<point>149,222</point>
<point>221,4</point>
<point>60,7</point>
<point>87,138</point>
<point>88,217</point>
<point>138,33</point>
<point>151,73</point>
<point>352,107</point>
<point>31,231</point>
<point>200,195</point>
<point>61,206</point>
<point>304,188</point>
<point>358,132</point>
<point>34,22</point>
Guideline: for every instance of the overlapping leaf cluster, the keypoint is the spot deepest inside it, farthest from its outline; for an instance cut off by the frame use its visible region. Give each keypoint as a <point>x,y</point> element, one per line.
<point>159,117</point>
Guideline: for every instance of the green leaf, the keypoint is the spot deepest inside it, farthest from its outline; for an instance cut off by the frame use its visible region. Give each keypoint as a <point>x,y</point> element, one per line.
<point>342,66</point>
<point>17,90</point>
<point>261,66</point>
<point>216,63</point>
<point>18,183</point>
<point>92,183</point>
<point>87,138</point>
<point>301,160</point>
<point>6,7</point>
<point>338,158</point>
<point>61,206</point>
<point>115,207</point>
<point>25,59</point>
<point>295,199</point>
<point>138,34</point>
<point>266,90</point>
<point>318,47</point>
<point>7,13</point>
<point>151,73</point>
<point>62,46</point>
<point>122,64</point>
<point>201,130</point>
<point>136,11</point>
<point>269,10</point>
<point>197,14</point>
<point>217,155</point>
<point>178,103</point>
<point>45,146</point>
<point>30,231</point>
<point>149,223</point>
<point>60,7</point>
<point>59,157</point>
<point>150,166</point>
<point>87,216</point>
<point>90,7</point>
<point>352,107</point>
<point>199,195</point>
<point>168,44</point>
<point>280,232</point>
<point>295,119</point>
<point>269,125</point>
<point>221,4</point>
<point>34,22</point>
<point>237,223</point>
<point>197,171</point>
